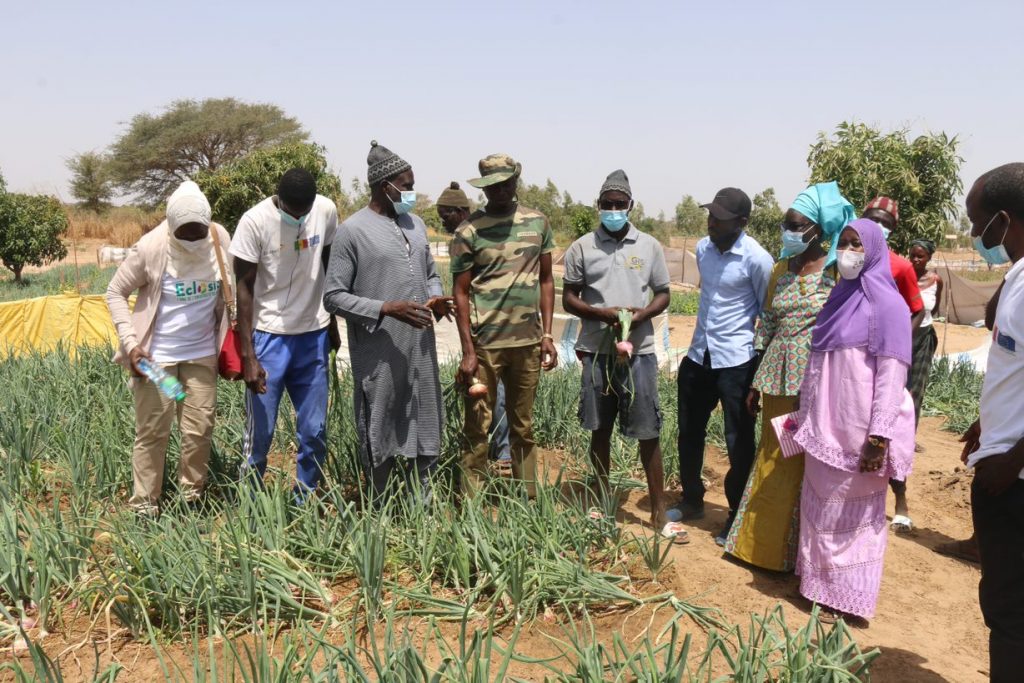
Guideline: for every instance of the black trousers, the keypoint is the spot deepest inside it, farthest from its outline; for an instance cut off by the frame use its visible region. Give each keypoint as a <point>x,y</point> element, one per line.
<point>700,389</point>
<point>999,526</point>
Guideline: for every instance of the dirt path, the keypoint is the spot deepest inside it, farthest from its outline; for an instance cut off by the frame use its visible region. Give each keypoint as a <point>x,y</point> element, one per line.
<point>928,624</point>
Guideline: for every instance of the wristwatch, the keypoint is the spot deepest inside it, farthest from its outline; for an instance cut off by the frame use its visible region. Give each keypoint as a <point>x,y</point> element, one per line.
<point>878,442</point>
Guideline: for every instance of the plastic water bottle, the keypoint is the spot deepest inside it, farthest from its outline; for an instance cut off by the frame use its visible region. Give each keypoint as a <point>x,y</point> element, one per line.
<point>169,386</point>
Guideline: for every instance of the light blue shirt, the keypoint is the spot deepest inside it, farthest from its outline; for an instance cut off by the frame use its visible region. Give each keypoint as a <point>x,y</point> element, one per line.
<point>732,290</point>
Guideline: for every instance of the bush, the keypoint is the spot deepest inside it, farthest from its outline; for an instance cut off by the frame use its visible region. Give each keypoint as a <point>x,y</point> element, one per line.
<point>31,227</point>
<point>235,188</point>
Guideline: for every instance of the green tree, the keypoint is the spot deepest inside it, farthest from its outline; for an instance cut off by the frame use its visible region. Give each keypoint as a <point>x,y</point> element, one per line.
<point>765,217</point>
<point>922,174</point>
<point>582,219</point>
<point>90,182</point>
<point>157,152</point>
<point>690,219</point>
<point>236,187</point>
<point>31,227</point>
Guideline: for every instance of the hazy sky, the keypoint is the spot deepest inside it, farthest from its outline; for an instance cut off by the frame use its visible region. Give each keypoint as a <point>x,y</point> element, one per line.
<point>687,97</point>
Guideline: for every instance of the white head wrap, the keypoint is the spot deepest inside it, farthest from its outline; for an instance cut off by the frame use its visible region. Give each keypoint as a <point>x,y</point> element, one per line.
<point>187,204</point>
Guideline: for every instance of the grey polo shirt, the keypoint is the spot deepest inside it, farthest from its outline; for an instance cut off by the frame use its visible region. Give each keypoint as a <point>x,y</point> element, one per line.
<point>616,274</point>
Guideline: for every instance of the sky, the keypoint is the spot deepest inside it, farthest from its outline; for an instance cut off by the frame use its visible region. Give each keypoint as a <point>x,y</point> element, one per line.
<point>687,97</point>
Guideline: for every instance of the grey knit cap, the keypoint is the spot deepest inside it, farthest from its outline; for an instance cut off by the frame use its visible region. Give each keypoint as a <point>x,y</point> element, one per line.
<point>383,164</point>
<point>616,180</point>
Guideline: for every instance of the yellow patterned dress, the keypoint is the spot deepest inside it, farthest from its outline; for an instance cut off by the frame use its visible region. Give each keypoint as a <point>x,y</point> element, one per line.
<point>766,529</point>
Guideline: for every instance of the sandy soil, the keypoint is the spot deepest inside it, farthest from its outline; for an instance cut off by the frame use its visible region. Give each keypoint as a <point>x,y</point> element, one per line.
<point>928,625</point>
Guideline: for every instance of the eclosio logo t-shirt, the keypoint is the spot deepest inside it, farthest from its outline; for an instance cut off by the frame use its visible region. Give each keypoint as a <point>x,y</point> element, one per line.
<point>186,324</point>
<point>289,289</point>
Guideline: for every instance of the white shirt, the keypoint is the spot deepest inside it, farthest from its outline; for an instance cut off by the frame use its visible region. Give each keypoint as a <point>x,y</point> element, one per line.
<point>289,290</point>
<point>185,325</point>
<point>1002,394</point>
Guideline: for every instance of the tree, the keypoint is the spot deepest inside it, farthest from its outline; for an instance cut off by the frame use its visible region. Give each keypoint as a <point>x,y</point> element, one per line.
<point>765,218</point>
<point>690,218</point>
<point>581,220</point>
<point>30,230</point>
<point>236,187</point>
<point>90,181</point>
<point>922,174</point>
<point>157,152</point>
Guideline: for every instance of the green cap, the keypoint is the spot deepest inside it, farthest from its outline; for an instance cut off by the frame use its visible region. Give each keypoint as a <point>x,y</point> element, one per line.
<point>496,168</point>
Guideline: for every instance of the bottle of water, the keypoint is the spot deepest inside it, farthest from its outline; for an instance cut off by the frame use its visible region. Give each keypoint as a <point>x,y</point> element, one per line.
<point>169,386</point>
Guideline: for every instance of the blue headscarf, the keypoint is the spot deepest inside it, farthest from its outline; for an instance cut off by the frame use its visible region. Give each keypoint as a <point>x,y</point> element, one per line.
<point>823,204</point>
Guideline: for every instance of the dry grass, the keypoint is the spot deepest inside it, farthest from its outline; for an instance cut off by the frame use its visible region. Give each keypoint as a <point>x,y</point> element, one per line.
<point>119,226</point>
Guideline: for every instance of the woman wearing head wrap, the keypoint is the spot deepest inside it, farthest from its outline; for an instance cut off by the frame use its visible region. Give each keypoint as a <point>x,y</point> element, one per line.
<point>856,425</point>
<point>179,323</point>
<point>766,529</point>
<point>925,339</point>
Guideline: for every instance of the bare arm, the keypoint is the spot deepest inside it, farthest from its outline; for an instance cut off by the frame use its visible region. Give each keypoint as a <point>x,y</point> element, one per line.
<point>657,306</point>
<point>549,355</point>
<point>468,366</point>
<point>245,282</point>
<point>939,285</point>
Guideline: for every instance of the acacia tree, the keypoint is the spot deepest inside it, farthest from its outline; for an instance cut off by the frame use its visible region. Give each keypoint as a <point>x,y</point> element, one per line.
<point>157,152</point>
<point>922,174</point>
<point>234,188</point>
<point>31,227</point>
<point>90,182</point>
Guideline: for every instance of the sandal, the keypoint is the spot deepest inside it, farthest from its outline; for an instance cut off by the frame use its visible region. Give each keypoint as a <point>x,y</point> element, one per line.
<point>675,532</point>
<point>901,524</point>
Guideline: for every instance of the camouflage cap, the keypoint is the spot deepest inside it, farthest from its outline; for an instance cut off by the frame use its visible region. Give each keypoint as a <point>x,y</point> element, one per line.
<point>496,168</point>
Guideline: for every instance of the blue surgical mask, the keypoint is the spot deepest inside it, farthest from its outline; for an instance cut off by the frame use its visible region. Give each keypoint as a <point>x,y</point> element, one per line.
<point>995,256</point>
<point>407,202</point>
<point>613,221</point>
<point>291,220</point>
<point>885,232</point>
<point>793,242</point>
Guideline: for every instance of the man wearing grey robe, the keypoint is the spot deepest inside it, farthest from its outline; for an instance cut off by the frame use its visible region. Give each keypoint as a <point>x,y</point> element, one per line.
<point>381,279</point>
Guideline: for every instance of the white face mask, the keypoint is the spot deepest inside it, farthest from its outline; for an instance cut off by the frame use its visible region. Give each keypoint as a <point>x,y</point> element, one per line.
<point>192,246</point>
<point>850,263</point>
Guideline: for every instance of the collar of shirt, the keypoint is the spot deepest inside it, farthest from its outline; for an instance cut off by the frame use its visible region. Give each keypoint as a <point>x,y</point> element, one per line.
<point>738,247</point>
<point>631,234</point>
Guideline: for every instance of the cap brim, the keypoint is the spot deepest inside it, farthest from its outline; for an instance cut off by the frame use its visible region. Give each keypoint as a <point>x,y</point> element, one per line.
<point>718,212</point>
<point>495,178</point>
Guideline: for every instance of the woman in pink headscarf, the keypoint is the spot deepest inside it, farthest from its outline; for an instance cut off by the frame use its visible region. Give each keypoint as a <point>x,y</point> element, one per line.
<point>856,424</point>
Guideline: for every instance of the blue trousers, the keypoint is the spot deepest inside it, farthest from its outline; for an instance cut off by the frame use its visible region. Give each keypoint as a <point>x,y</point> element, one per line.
<point>296,363</point>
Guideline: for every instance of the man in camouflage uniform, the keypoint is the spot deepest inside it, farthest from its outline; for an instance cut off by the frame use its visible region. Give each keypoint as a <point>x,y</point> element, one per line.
<point>504,297</point>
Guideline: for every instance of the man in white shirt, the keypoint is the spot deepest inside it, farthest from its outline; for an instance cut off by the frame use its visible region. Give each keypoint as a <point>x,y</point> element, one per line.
<point>995,443</point>
<point>281,249</point>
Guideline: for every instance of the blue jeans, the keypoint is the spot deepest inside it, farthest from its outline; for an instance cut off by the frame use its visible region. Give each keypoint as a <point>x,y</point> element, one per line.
<point>296,363</point>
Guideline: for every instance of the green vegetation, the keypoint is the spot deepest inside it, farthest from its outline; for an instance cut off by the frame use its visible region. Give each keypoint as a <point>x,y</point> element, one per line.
<point>922,174</point>
<point>255,588</point>
<point>87,279</point>
<point>31,227</point>
<point>684,302</point>
<point>954,390</point>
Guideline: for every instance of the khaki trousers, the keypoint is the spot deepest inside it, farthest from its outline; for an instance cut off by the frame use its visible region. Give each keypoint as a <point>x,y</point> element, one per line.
<point>519,369</point>
<point>154,414</point>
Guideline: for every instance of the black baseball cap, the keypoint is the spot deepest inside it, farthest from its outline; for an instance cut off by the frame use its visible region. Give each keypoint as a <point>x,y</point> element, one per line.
<point>729,203</point>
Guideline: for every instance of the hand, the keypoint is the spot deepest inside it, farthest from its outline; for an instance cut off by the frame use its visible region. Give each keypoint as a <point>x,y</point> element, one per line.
<point>996,473</point>
<point>971,440</point>
<point>467,369</point>
<point>639,315</point>
<point>134,356</point>
<point>753,402</point>
<point>441,306</point>
<point>609,316</point>
<point>333,335</point>
<point>408,312</point>
<point>872,457</point>
<point>548,355</point>
<point>254,375</point>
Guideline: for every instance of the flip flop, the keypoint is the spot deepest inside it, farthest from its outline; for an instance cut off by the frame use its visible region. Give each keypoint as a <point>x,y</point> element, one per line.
<point>901,524</point>
<point>675,532</point>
